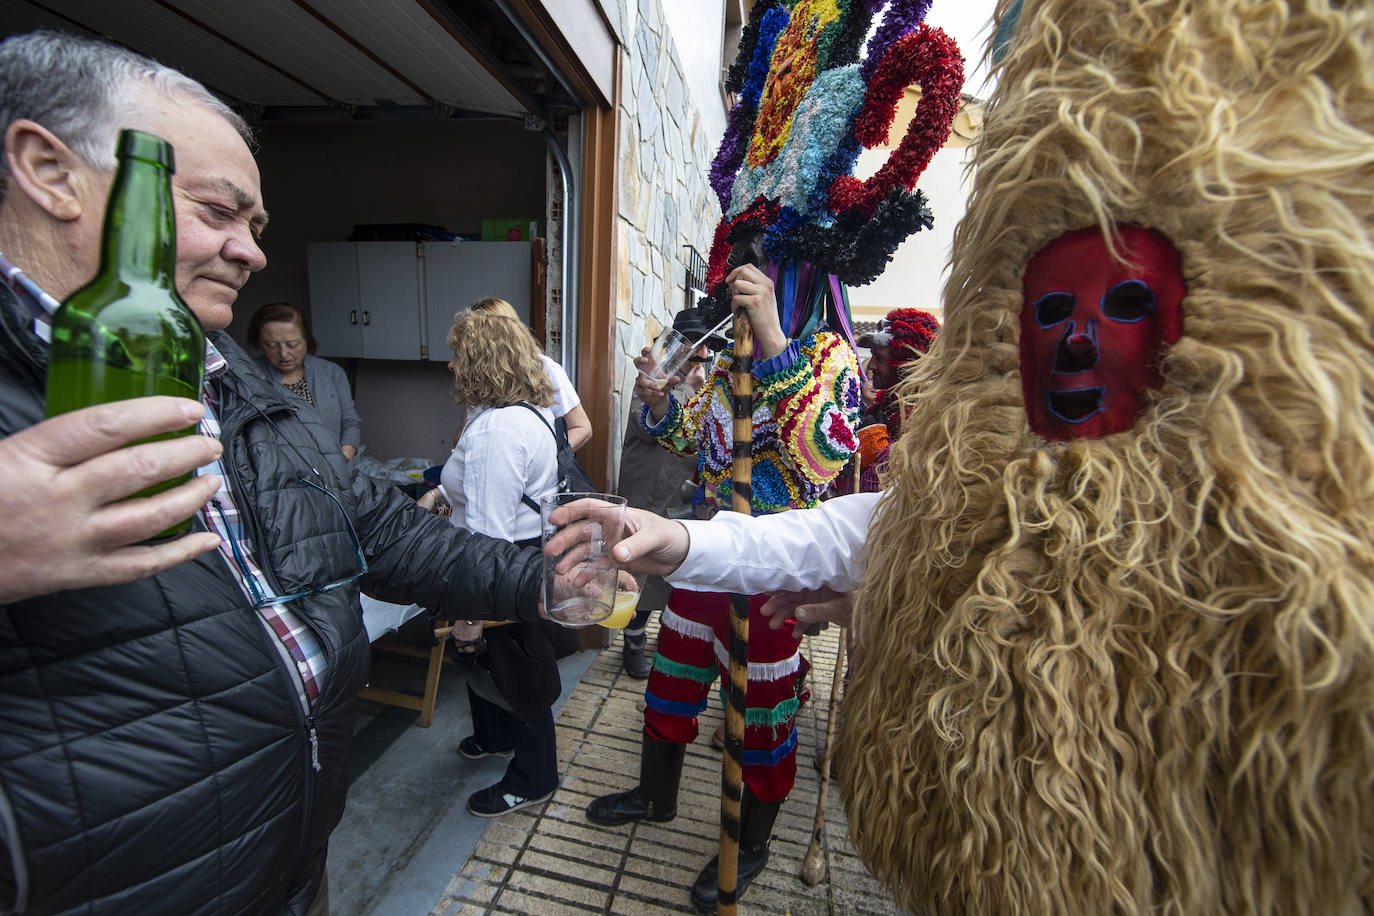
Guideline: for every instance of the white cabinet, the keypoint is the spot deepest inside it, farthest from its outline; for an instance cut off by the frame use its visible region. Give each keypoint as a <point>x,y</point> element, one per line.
<point>332,268</point>
<point>365,299</point>
<point>456,276</point>
<point>389,301</point>
<point>396,300</point>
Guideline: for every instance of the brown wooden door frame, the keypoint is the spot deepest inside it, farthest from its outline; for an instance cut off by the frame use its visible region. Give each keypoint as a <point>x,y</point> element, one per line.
<point>596,357</point>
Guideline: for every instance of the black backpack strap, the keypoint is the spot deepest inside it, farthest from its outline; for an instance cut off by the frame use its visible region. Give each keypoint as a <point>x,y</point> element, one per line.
<point>535,410</point>
<point>525,497</point>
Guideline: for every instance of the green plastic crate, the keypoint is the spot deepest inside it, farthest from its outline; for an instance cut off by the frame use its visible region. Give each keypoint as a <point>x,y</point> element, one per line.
<point>509,230</point>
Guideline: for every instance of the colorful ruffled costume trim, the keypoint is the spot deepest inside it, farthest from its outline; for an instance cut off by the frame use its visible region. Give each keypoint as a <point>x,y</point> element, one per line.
<point>807,405</point>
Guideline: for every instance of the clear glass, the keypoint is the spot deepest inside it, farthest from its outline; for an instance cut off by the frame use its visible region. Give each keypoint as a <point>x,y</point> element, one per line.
<point>127,333</point>
<point>580,579</point>
<point>668,354</point>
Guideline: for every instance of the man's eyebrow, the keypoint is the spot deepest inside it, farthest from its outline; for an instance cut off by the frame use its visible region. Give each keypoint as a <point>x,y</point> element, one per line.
<point>243,201</point>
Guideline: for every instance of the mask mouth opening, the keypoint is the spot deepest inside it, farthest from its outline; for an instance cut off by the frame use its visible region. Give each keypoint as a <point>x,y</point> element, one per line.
<point>1076,404</point>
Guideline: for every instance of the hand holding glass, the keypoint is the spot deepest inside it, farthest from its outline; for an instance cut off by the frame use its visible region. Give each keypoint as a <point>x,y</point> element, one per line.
<point>579,574</point>
<point>668,354</point>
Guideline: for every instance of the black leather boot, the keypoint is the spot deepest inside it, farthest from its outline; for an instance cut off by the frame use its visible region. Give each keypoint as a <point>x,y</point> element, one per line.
<point>756,829</point>
<point>632,657</point>
<point>655,798</point>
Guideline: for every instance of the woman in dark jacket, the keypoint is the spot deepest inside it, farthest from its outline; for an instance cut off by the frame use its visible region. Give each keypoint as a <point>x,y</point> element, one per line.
<point>280,331</point>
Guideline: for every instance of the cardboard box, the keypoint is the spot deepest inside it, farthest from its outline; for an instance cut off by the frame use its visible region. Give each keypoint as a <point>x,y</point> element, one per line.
<point>509,230</point>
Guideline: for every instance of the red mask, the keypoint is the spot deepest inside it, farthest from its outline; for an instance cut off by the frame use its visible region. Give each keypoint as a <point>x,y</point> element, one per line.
<point>1093,330</point>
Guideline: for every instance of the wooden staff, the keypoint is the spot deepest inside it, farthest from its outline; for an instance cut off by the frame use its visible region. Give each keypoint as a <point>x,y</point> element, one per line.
<point>813,866</point>
<point>732,773</point>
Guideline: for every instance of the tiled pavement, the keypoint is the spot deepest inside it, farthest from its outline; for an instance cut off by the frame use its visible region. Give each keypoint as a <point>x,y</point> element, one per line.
<point>550,860</point>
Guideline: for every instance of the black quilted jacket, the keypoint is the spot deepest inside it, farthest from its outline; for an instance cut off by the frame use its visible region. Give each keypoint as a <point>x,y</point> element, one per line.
<point>154,757</point>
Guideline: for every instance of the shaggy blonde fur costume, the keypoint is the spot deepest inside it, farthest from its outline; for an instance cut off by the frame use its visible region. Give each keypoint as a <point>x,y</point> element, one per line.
<point>1136,674</point>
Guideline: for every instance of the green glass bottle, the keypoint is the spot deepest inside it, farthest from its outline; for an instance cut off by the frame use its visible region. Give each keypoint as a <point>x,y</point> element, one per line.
<point>127,333</point>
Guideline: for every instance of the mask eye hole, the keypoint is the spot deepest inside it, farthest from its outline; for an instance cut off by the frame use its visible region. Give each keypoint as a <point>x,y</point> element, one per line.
<point>1128,301</point>
<point>1052,308</point>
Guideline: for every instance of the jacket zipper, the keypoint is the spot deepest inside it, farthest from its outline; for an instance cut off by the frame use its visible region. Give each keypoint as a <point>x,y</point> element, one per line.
<point>305,715</point>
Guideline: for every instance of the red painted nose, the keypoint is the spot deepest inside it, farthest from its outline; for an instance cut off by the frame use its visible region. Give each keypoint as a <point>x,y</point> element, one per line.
<point>1077,353</point>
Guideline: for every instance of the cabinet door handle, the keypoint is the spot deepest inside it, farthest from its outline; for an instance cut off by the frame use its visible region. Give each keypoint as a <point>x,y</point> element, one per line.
<point>367,318</point>
<point>353,316</point>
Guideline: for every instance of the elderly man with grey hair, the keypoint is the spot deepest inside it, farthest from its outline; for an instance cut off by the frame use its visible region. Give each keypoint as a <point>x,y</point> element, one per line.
<point>176,721</point>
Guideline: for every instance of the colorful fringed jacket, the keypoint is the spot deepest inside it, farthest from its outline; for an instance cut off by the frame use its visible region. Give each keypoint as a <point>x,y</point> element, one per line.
<point>806,405</point>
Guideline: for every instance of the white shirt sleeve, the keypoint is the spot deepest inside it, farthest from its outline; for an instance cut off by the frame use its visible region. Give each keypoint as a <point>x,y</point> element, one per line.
<point>564,394</point>
<point>791,551</point>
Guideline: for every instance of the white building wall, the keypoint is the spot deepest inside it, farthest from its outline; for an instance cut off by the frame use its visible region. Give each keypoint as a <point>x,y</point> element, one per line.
<point>698,27</point>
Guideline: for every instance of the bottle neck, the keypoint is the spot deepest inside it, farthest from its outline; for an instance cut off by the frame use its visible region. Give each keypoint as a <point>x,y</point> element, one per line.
<point>140,225</point>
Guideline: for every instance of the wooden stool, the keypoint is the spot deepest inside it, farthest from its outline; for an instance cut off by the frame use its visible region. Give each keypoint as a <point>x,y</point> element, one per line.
<point>424,702</point>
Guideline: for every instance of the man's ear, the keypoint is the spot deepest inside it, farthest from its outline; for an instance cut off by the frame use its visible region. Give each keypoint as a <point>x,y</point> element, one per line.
<point>46,170</point>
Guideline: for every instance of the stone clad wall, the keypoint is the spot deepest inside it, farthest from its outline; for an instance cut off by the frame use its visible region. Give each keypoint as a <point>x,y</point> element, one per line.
<point>665,199</point>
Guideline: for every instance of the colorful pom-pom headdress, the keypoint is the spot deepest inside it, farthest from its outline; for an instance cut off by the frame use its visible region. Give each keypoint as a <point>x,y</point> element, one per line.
<point>909,332</point>
<point>812,94</point>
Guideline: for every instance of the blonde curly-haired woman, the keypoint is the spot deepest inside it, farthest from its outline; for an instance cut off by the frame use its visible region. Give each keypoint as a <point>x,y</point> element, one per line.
<point>503,462</point>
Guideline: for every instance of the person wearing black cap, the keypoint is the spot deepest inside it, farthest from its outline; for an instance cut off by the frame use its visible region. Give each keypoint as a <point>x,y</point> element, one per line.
<point>902,337</point>
<point>654,479</point>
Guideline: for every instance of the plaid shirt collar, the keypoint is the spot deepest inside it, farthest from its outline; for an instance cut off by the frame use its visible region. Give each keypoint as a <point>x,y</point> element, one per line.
<point>216,366</point>
<point>40,305</point>
<point>43,306</point>
<point>303,649</point>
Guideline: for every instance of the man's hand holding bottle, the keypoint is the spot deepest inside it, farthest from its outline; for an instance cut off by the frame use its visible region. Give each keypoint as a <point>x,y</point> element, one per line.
<point>67,522</point>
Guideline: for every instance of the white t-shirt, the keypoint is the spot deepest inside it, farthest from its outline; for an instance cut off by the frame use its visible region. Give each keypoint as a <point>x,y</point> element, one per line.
<point>564,394</point>
<point>796,550</point>
<point>504,453</point>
